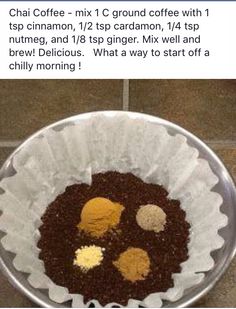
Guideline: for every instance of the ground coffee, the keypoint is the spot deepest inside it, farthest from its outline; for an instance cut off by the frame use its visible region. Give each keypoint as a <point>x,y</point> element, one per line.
<point>60,238</point>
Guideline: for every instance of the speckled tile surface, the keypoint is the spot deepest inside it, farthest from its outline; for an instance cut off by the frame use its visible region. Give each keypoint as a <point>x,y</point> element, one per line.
<point>228,156</point>
<point>4,153</point>
<point>28,105</point>
<point>10,297</point>
<point>205,107</point>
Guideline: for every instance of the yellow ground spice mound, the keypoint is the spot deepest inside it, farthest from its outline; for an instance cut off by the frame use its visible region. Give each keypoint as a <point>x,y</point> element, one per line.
<point>100,215</point>
<point>134,264</point>
<point>88,257</point>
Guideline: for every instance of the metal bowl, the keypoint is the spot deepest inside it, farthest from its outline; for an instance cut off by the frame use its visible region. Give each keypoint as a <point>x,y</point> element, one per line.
<point>225,188</point>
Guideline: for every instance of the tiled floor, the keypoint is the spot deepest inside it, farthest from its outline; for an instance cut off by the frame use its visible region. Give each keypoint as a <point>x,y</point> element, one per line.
<point>27,105</point>
<point>228,156</point>
<point>205,107</point>
<point>10,297</point>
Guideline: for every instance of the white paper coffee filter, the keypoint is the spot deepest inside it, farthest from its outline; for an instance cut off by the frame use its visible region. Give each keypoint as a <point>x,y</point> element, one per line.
<point>56,159</point>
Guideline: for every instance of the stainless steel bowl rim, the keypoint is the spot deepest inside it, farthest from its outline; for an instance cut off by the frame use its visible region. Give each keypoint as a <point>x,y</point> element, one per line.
<point>195,293</point>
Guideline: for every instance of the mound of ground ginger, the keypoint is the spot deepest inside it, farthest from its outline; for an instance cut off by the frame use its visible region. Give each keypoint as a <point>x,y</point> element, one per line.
<point>134,264</point>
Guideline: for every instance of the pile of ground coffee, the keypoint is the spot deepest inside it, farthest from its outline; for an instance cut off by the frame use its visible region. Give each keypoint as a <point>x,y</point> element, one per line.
<point>60,238</point>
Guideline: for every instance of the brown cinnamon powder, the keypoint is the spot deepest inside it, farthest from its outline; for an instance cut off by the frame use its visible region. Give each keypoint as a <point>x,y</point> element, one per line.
<point>99,215</point>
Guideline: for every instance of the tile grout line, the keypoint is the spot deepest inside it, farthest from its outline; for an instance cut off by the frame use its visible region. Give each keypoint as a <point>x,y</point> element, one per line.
<point>125,94</point>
